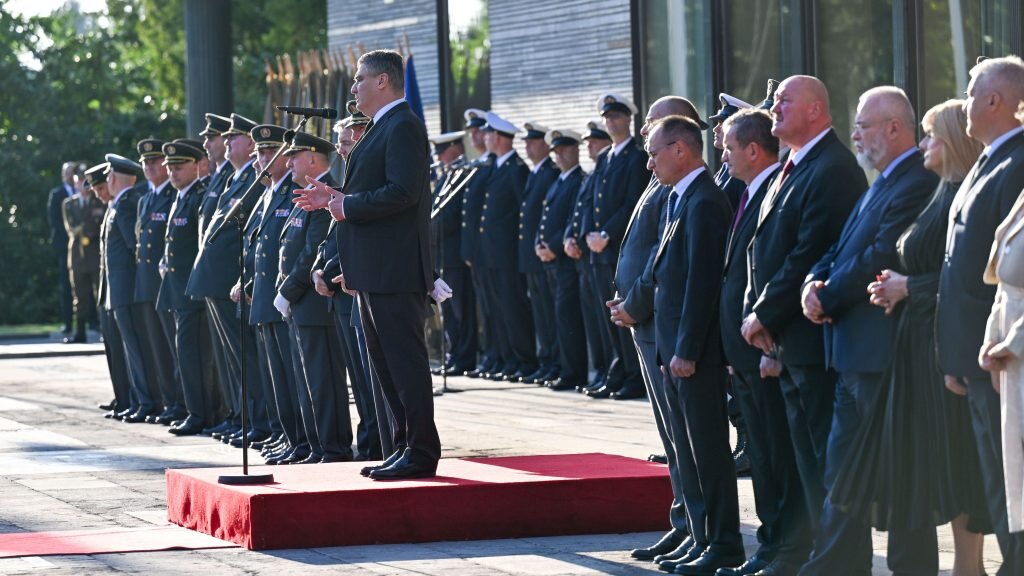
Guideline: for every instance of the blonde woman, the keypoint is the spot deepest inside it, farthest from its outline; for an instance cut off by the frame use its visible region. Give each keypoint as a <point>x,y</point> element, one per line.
<point>1002,354</point>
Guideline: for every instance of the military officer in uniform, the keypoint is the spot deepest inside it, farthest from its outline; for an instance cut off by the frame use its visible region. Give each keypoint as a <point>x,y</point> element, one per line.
<point>542,293</point>
<point>504,285</point>
<point>118,247</point>
<point>316,355</point>
<point>82,215</point>
<point>59,241</point>
<point>562,274</point>
<point>216,267</point>
<point>181,244</point>
<point>732,186</point>
<point>150,228</point>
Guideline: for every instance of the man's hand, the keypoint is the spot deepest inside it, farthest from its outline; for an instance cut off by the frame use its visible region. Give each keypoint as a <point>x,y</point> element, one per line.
<point>756,334</point>
<point>236,292</point>
<point>283,305</point>
<point>681,368</point>
<point>321,287</point>
<point>316,197</point>
<point>337,207</point>
<point>340,281</point>
<point>544,252</point>
<point>596,242</point>
<point>619,316</point>
<point>770,367</point>
<point>571,249</point>
<point>954,385</point>
<point>811,304</point>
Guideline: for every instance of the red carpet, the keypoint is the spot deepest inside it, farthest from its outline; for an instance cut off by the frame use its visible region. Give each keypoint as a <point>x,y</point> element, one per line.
<point>105,541</point>
<point>470,499</point>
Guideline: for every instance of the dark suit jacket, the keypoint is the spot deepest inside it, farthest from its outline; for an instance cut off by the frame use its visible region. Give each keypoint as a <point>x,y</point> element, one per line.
<point>118,247</point>
<point>981,204</point>
<point>859,340</point>
<point>499,216</point>
<point>639,245</point>
<point>797,225</point>
<point>387,210</point>
<point>266,255</point>
<point>619,186</point>
<point>216,269</point>
<point>55,217</point>
<point>558,207</point>
<point>300,239</point>
<point>472,206</point>
<point>738,353</point>
<point>531,205</point>
<point>686,275</point>
<point>181,245</point>
<point>732,187</point>
<point>214,190</point>
<point>150,228</point>
<point>82,223</point>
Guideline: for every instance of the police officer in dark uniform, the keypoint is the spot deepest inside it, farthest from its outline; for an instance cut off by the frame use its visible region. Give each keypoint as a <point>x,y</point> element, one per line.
<point>622,181</point>
<point>150,228</point>
<point>575,247</point>
<point>542,293</point>
<point>83,215</point>
<point>118,247</point>
<point>316,355</point>
<point>216,267</point>
<point>561,271</point>
<point>504,285</point>
<point>181,244</point>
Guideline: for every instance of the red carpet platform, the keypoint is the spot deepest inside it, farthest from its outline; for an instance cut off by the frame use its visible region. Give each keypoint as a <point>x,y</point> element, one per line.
<point>105,541</point>
<point>470,499</point>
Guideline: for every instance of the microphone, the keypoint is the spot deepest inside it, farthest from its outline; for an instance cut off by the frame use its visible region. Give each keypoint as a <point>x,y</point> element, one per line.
<point>320,112</point>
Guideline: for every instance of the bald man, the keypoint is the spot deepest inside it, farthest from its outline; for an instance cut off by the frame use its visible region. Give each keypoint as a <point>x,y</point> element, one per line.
<point>801,217</point>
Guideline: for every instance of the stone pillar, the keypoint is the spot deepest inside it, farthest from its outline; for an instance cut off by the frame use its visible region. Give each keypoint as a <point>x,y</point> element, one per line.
<point>207,61</point>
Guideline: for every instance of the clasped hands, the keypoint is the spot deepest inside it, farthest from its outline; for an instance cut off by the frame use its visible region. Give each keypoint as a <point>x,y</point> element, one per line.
<point>318,196</point>
<point>811,304</point>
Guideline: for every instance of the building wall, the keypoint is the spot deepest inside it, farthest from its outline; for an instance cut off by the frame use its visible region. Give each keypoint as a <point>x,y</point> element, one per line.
<point>380,24</point>
<point>551,61</point>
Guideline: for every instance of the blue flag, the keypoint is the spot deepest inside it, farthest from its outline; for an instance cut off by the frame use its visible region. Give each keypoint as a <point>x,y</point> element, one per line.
<point>412,89</point>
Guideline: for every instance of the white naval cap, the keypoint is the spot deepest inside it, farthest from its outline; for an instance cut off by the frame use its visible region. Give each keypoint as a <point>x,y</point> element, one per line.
<point>475,117</point>
<point>498,124</point>
<point>447,137</point>
<point>563,137</point>
<point>614,101</point>
<point>730,106</point>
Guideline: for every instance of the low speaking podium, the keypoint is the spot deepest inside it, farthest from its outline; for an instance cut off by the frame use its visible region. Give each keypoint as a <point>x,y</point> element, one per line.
<point>470,499</point>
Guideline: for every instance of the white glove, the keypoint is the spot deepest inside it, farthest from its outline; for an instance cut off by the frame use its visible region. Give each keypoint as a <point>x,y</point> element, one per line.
<point>441,291</point>
<point>283,305</point>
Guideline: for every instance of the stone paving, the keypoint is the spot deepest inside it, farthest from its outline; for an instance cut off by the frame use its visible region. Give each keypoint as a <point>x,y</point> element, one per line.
<point>64,467</point>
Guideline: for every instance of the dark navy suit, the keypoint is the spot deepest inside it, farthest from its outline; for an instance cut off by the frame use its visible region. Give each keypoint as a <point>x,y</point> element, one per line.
<point>542,292</point>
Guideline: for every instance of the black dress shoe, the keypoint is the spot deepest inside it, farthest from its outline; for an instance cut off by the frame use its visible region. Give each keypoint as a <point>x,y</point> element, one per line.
<point>294,456</point>
<point>709,563</point>
<point>436,371</point>
<point>559,384</point>
<point>658,458</point>
<point>405,469</point>
<point>752,566</point>
<point>190,427</point>
<point>217,429</point>
<point>395,457</point>
<point>108,406</point>
<point>474,373</point>
<point>236,441</point>
<point>137,417</point>
<point>533,377</point>
<point>742,463</point>
<point>330,459</point>
<point>628,393</point>
<point>111,414</point>
<point>76,339</point>
<point>124,413</point>
<point>170,416</point>
<point>685,552</point>
<point>311,459</point>
<point>779,567</point>
<point>600,393</point>
<point>668,543</point>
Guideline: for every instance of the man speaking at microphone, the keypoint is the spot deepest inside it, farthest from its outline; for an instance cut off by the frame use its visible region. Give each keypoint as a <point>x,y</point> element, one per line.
<point>383,214</point>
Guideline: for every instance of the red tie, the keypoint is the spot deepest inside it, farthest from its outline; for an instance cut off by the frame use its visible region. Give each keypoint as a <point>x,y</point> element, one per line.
<point>741,208</point>
<point>785,172</point>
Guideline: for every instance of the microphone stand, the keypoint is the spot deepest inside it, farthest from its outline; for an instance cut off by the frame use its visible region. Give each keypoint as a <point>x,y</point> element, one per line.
<point>237,214</point>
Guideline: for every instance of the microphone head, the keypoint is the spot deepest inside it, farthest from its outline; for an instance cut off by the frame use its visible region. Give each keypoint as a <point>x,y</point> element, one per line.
<point>330,113</point>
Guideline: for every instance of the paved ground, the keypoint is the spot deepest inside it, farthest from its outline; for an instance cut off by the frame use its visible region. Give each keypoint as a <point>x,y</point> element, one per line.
<point>64,467</point>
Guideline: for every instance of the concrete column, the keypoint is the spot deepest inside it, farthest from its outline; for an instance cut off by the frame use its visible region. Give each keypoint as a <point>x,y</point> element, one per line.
<point>207,61</point>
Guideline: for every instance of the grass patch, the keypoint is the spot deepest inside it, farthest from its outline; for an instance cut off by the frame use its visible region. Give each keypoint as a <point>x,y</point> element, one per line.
<point>27,329</point>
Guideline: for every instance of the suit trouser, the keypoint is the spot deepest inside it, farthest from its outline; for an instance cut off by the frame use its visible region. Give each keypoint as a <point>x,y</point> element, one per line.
<point>985,420</point>
<point>270,399</point>
<point>808,392</point>
<point>64,300</point>
<point>508,289</point>
<point>83,287</point>
<point>621,345</point>
<point>542,305</point>
<point>303,401</point>
<point>843,543</point>
<point>393,328</point>
<point>367,432</point>
<point>647,351</point>
<point>277,344</point>
<point>778,495</point>
<point>117,364</point>
<point>214,369</point>
<point>460,318</point>
<point>143,398</point>
<point>160,362</point>
<point>324,371</point>
<point>572,342</point>
<point>700,399</point>
<point>491,359</point>
<point>169,327</point>
<point>594,317</point>
<point>191,356</point>
<point>223,314</point>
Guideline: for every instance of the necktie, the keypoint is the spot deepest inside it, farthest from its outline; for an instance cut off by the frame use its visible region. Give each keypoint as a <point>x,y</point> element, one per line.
<point>785,172</point>
<point>878,183</point>
<point>741,208</point>
<point>673,196</point>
